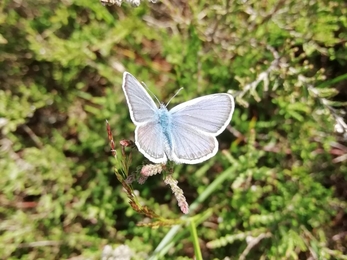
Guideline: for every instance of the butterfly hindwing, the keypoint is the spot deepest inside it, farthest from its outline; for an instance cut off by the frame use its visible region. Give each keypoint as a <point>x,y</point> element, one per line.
<point>150,141</point>
<point>191,146</point>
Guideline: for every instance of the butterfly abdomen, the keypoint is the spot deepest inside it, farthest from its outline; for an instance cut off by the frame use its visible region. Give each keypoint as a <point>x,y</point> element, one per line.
<point>165,122</point>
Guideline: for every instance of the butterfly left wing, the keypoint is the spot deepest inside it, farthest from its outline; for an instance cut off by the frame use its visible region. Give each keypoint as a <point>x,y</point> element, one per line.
<point>141,106</point>
<point>149,140</point>
<point>195,125</point>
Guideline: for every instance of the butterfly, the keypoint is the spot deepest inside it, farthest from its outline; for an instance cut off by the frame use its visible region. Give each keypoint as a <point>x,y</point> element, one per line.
<point>186,133</point>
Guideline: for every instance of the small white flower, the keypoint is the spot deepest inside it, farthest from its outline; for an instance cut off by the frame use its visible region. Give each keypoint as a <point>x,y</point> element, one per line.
<point>122,252</point>
<point>134,2</point>
<point>119,2</point>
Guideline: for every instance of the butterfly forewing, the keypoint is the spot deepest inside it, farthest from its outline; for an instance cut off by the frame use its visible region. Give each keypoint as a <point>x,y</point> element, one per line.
<point>141,105</point>
<point>210,114</point>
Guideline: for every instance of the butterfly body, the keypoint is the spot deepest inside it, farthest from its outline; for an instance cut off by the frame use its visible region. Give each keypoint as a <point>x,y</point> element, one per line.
<point>186,133</point>
<point>164,122</point>
<point>164,118</point>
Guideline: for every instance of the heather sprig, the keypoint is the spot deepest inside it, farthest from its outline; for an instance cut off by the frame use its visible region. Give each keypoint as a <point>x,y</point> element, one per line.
<point>123,162</point>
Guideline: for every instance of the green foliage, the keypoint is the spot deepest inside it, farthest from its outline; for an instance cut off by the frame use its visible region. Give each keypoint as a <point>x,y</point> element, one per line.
<point>276,189</point>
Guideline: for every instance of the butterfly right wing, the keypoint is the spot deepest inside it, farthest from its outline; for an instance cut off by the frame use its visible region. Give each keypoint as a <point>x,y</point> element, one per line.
<point>195,125</point>
<point>141,106</point>
<point>191,146</point>
<point>209,114</point>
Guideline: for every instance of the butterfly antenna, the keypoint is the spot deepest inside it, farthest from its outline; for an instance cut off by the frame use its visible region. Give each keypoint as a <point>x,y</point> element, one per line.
<point>178,91</point>
<point>143,83</point>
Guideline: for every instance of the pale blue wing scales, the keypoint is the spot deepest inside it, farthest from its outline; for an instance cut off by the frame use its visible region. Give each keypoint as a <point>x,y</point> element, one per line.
<point>150,141</point>
<point>141,106</point>
<point>209,114</point>
<point>191,146</point>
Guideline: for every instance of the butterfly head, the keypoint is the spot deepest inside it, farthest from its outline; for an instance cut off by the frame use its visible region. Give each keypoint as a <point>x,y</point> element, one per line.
<point>162,106</point>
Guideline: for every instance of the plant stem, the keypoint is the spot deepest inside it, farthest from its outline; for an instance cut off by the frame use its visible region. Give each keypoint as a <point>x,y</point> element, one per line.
<point>195,239</point>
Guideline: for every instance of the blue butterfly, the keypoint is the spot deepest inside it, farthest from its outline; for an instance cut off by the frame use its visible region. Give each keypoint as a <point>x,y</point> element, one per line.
<point>186,133</point>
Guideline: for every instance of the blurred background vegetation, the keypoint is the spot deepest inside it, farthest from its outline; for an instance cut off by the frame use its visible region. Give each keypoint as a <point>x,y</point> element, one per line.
<point>283,158</point>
